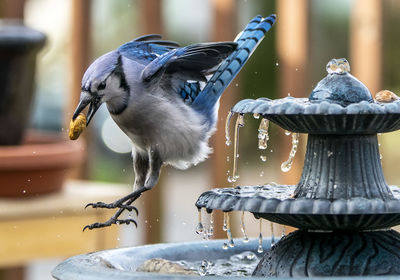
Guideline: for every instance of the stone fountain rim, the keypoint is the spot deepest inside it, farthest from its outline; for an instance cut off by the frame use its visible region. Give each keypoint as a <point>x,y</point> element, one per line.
<point>226,199</point>
<point>303,106</point>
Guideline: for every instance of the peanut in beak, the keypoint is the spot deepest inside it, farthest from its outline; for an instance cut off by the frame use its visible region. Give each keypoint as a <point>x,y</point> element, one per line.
<point>77,126</point>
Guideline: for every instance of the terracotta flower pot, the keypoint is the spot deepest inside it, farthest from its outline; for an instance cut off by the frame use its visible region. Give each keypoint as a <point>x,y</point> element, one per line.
<point>37,166</point>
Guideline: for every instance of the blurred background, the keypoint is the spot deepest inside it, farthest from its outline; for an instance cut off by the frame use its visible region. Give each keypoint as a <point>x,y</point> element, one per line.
<point>39,230</point>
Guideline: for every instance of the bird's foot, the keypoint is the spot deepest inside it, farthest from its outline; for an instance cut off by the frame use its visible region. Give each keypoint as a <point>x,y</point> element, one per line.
<point>111,221</point>
<point>113,206</point>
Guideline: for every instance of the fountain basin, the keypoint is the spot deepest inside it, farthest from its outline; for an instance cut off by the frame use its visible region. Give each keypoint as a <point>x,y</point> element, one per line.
<point>122,263</point>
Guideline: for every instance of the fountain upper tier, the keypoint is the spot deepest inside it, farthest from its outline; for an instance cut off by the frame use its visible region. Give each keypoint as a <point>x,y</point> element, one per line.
<point>339,104</point>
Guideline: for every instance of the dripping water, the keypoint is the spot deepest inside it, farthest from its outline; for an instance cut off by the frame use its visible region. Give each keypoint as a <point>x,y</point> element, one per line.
<point>263,137</point>
<point>225,225</point>
<point>210,232</point>
<point>243,229</point>
<point>286,165</point>
<point>199,227</point>
<point>227,133</point>
<point>272,234</point>
<point>260,239</point>
<point>229,232</point>
<point>238,125</point>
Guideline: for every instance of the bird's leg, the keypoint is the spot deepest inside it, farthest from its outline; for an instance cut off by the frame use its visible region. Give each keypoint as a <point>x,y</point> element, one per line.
<point>155,167</point>
<point>124,203</point>
<point>141,166</point>
<point>114,219</point>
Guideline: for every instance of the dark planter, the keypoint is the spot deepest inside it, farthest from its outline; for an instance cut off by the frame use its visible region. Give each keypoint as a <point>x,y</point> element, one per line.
<point>19,46</point>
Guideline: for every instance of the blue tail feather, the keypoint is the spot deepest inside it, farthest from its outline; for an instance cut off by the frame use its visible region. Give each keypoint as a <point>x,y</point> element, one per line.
<point>227,71</point>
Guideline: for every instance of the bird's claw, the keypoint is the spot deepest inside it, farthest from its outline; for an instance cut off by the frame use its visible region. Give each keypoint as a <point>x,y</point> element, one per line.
<point>109,223</point>
<point>113,206</point>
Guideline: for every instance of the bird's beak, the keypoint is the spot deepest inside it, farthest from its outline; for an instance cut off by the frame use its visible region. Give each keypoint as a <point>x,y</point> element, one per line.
<point>86,99</point>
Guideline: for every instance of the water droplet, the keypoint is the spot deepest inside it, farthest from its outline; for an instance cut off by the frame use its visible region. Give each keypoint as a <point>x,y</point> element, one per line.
<point>33,152</point>
<point>283,231</point>
<point>232,179</point>
<point>286,165</point>
<point>261,173</point>
<point>263,158</point>
<point>277,64</point>
<point>227,132</point>
<point>29,180</point>
<point>227,158</point>
<point>287,132</point>
<point>24,191</point>
<point>288,94</point>
<point>297,69</point>
<point>256,116</point>
<point>330,154</point>
<point>380,156</point>
<point>338,66</point>
<point>199,227</point>
<point>123,170</point>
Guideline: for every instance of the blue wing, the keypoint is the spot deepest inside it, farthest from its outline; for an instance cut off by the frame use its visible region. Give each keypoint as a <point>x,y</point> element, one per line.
<point>189,91</point>
<point>146,48</point>
<point>230,67</point>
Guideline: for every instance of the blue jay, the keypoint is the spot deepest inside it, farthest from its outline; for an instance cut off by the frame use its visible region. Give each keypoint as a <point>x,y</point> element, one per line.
<point>165,99</point>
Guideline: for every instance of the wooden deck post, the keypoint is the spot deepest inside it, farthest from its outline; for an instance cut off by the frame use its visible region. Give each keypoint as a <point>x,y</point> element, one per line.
<point>224,30</point>
<point>292,48</point>
<point>366,42</point>
<point>151,22</point>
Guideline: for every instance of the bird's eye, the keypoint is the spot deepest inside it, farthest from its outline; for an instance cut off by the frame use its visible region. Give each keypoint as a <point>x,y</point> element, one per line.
<point>101,86</point>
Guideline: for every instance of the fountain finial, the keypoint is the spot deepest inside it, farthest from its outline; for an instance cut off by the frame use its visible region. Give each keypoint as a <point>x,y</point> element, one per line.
<point>339,86</point>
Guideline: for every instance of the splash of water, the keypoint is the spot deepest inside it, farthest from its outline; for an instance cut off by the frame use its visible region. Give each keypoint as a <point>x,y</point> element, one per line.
<point>227,132</point>
<point>260,239</point>
<point>243,229</point>
<point>286,165</point>
<point>238,125</point>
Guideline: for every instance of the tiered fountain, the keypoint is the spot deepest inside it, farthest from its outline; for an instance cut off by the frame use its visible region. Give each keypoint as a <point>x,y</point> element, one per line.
<point>342,205</point>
